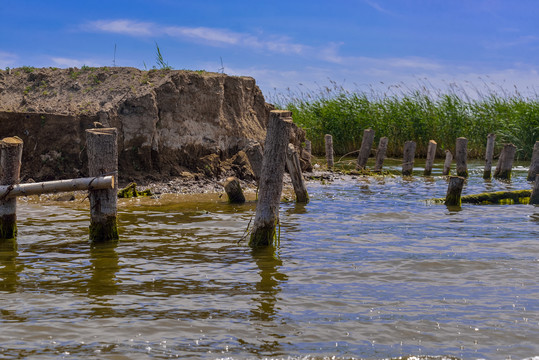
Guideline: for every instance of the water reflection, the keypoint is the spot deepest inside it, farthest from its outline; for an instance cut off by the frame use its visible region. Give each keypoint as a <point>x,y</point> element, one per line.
<point>9,277</point>
<point>104,260</point>
<point>264,311</point>
<point>268,287</point>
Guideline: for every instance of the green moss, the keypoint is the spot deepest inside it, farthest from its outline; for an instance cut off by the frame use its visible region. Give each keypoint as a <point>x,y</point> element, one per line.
<point>453,200</point>
<point>104,231</point>
<point>499,197</point>
<point>8,226</point>
<point>130,191</point>
<point>464,173</point>
<point>503,175</point>
<point>262,237</point>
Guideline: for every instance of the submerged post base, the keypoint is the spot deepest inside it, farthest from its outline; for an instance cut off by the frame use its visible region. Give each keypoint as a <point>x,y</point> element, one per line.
<point>8,226</point>
<point>262,236</point>
<point>104,231</point>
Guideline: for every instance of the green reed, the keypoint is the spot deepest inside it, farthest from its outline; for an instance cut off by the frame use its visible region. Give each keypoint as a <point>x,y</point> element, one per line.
<point>420,115</point>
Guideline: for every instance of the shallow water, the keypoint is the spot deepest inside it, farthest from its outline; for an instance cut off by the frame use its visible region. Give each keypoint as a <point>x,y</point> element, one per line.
<point>368,269</point>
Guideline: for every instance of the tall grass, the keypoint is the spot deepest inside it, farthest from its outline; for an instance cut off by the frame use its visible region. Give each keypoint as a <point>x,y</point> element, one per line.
<point>420,115</point>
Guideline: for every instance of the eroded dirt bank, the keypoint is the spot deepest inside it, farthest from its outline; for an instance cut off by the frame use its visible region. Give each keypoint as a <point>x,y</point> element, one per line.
<point>172,124</point>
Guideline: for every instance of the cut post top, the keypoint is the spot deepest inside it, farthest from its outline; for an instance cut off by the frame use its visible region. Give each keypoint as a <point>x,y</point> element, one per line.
<point>103,131</point>
<point>11,141</point>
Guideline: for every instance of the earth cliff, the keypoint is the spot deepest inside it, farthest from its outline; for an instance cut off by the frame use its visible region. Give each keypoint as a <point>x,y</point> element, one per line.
<point>171,123</point>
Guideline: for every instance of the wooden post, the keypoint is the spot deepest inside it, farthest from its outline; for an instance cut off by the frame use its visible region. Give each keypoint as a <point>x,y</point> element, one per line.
<point>431,154</point>
<point>487,174</point>
<point>233,191</point>
<point>447,162</point>
<point>294,169</point>
<point>365,149</point>
<point>329,150</point>
<point>408,158</point>
<point>454,191</point>
<point>10,167</point>
<point>534,166</point>
<point>380,154</point>
<point>461,154</point>
<point>102,152</point>
<point>505,162</point>
<point>308,147</point>
<point>534,198</point>
<point>271,179</point>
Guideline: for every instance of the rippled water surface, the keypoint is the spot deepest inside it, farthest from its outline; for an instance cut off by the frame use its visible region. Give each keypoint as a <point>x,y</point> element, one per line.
<point>368,269</point>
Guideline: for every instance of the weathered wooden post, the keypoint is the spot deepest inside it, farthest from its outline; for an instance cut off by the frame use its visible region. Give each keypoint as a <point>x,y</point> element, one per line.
<point>454,191</point>
<point>365,149</point>
<point>380,154</point>
<point>447,162</point>
<point>329,150</point>
<point>431,154</point>
<point>102,152</point>
<point>461,155</point>
<point>10,167</point>
<point>534,166</point>
<point>309,147</point>
<point>505,162</point>
<point>408,158</point>
<point>233,191</point>
<point>534,198</point>
<point>294,169</point>
<point>487,174</point>
<point>271,179</point>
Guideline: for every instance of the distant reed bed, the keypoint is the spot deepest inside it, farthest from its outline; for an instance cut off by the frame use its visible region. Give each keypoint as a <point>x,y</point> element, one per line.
<point>420,115</point>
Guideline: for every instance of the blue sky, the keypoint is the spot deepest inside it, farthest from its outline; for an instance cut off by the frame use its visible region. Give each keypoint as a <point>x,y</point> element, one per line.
<point>300,45</point>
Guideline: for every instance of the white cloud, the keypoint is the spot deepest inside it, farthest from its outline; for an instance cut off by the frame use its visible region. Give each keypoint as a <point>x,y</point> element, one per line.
<point>7,59</point>
<point>126,27</point>
<point>472,82</point>
<point>377,7</point>
<point>218,36</point>
<point>205,35</point>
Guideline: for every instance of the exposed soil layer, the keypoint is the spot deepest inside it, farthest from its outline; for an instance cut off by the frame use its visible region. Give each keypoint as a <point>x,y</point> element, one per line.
<point>171,124</point>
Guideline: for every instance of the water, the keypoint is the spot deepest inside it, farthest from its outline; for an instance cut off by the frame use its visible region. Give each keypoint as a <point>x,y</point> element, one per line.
<point>368,269</point>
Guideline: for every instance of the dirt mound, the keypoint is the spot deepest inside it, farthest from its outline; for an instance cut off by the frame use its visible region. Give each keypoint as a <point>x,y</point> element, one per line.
<point>170,123</point>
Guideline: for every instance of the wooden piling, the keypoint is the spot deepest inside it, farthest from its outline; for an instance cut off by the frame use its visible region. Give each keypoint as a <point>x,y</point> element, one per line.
<point>329,150</point>
<point>408,158</point>
<point>233,190</point>
<point>365,149</point>
<point>534,166</point>
<point>294,169</point>
<point>431,154</point>
<point>102,152</point>
<point>487,173</point>
<point>308,147</point>
<point>454,191</point>
<point>534,198</point>
<point>271,179</point>
<point>505,162</point>
<point>380,154</point>
<point>461,155</point>
<point>447,162</point>
<point>10,169</point>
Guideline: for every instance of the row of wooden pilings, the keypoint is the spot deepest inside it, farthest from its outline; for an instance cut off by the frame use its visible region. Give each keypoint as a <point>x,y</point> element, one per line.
<point>503,167</point>
<point>456,183</point>
<point>102,150</point>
